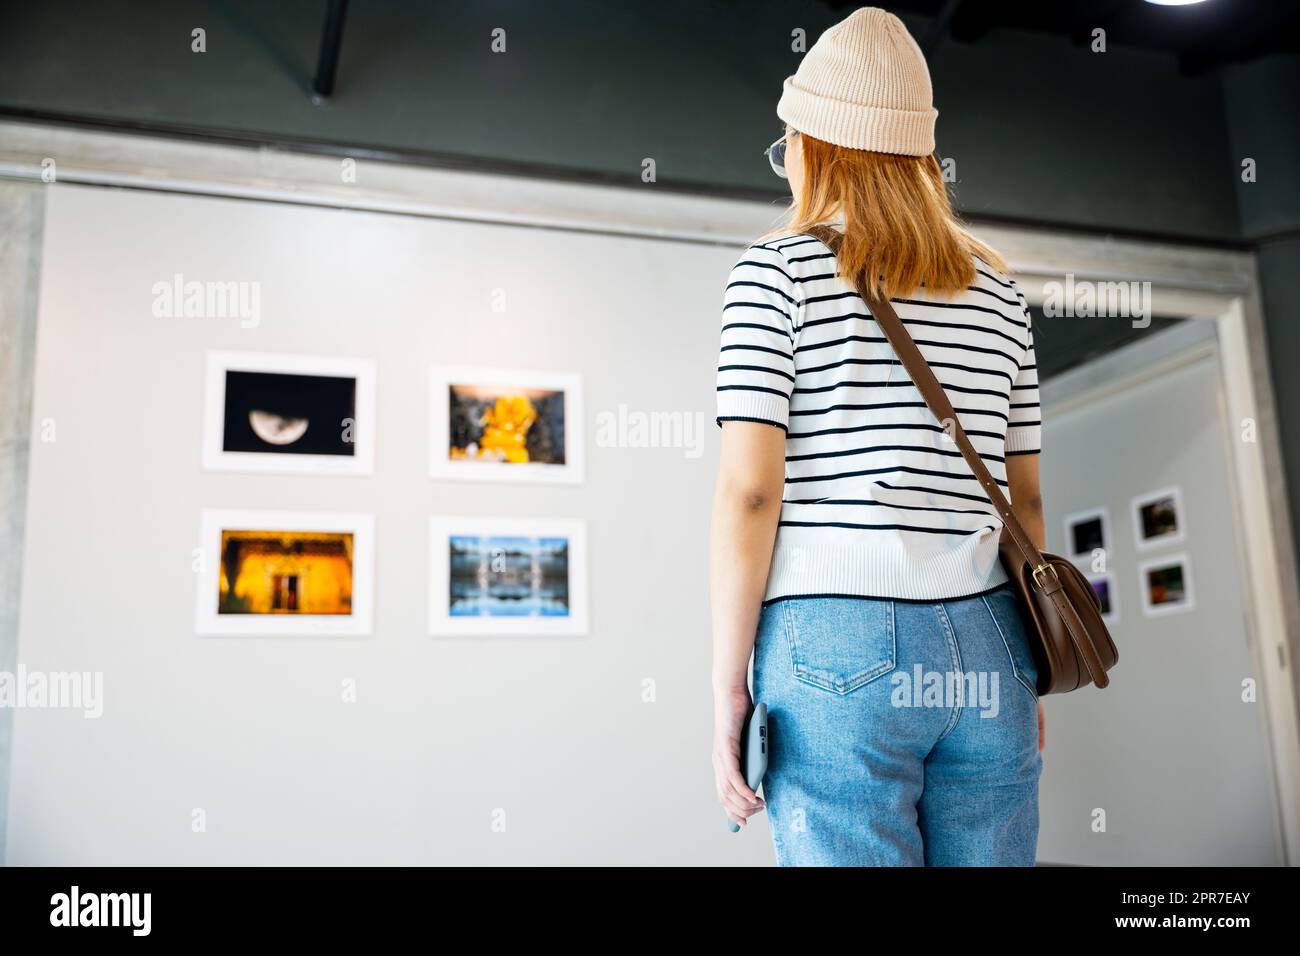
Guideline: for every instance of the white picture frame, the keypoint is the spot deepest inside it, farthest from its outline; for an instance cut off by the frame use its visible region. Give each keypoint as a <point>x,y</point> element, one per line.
<point>1144,542</point>
<point>1112,595</point>
<point>1072,521</point>
<point>1188,601</point>
<point>445,622</point>
<point>211,621</point>
<point>360,370</point>
<point>443,467</point>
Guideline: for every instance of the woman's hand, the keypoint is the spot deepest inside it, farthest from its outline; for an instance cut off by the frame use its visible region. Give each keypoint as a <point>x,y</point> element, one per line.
<point>1042,727</point>
<point>731,708</point>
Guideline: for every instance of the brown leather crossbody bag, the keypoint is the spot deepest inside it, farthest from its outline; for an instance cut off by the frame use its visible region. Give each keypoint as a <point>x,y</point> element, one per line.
<point>1062,613</point>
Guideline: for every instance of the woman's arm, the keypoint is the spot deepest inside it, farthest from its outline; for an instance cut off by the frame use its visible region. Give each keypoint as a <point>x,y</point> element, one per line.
<point>746,507</point>
<point>1027,499</point>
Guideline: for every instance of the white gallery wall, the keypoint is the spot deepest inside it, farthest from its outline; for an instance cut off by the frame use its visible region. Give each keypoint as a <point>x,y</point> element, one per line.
<point>590,749</point>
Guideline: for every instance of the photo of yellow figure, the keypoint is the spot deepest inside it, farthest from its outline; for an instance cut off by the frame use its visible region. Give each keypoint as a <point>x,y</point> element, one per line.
<point>506,424</point>
<point>505,430</point>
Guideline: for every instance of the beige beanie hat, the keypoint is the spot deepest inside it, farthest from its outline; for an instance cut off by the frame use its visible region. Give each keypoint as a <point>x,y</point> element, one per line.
<point>864,84</point>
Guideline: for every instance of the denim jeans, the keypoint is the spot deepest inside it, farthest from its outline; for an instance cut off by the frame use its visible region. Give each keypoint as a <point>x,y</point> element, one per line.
<point>900,733</point>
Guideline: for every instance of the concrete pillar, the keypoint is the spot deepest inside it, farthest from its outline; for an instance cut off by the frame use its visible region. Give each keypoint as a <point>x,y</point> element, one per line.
<point>22,216</point>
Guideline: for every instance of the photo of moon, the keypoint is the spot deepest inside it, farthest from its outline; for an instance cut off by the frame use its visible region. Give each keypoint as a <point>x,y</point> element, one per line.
<point>285,413</point>
<point>276,429</point>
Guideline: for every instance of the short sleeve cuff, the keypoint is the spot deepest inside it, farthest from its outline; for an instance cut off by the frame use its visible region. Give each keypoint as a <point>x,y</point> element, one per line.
<point>745,406</point>
<point>1024,439</point>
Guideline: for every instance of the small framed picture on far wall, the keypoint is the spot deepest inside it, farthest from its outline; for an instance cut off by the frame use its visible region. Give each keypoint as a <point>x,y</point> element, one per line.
<point>285,573</point>
<point>1086,532</point>
<point>1166,585</point>
<point>507,577</point>
<point>494,424</point>
<point>1159,518</point>
<point>289,414</point>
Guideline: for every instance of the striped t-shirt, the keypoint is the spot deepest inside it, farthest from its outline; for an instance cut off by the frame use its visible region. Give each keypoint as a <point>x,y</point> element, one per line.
<point>878,501</point>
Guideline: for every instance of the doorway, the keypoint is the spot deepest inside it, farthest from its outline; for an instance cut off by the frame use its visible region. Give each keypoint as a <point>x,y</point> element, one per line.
<point>1169,765</point>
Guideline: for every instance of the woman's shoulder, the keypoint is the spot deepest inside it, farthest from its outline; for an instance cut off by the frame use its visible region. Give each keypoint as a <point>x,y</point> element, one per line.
<point>995,288</point>
<point>795,252</point>
<point>992,273</point>
<point>784,240</point>
<point>997,280</point>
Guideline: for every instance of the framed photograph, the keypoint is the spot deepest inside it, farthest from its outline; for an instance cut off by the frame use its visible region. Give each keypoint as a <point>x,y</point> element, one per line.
<point>1166,585</point>
<point>1104,587</point>
<point>492,424</point>
<point>507,577</point>
<point>1158,518</point>
<point>1086,531</point>
<point>292,414</point>
<point>270,573</point>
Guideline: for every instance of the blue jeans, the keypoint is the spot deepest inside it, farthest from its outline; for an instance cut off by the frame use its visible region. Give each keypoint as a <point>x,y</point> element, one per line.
<point>901,733</point>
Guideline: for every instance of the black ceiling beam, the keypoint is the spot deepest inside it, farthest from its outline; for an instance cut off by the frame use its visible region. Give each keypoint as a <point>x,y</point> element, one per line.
<point>938,28</point>
<point>322,85</point>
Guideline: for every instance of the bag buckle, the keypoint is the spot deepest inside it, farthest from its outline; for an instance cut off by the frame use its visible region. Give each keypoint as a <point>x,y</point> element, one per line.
<point>1042,569</point>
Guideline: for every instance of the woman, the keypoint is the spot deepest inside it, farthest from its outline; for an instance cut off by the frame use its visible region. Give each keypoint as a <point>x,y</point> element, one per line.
<point>853,552</point>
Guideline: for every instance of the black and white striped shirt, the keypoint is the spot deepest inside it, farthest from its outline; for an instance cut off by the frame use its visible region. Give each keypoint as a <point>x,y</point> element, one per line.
<point>878,501</point>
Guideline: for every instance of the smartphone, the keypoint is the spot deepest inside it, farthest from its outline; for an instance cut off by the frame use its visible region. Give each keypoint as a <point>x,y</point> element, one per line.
<point>753,753</point>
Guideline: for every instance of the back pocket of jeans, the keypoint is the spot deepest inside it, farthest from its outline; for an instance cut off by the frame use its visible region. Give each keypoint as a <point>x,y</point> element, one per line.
<point>840,644</point>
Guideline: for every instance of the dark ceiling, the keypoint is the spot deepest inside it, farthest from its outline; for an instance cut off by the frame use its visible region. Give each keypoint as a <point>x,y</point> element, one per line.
<point>1202,35</point>
<point>1145,141</point>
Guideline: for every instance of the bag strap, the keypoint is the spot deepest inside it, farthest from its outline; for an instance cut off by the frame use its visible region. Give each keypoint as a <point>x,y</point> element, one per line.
<point>936,399</point>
